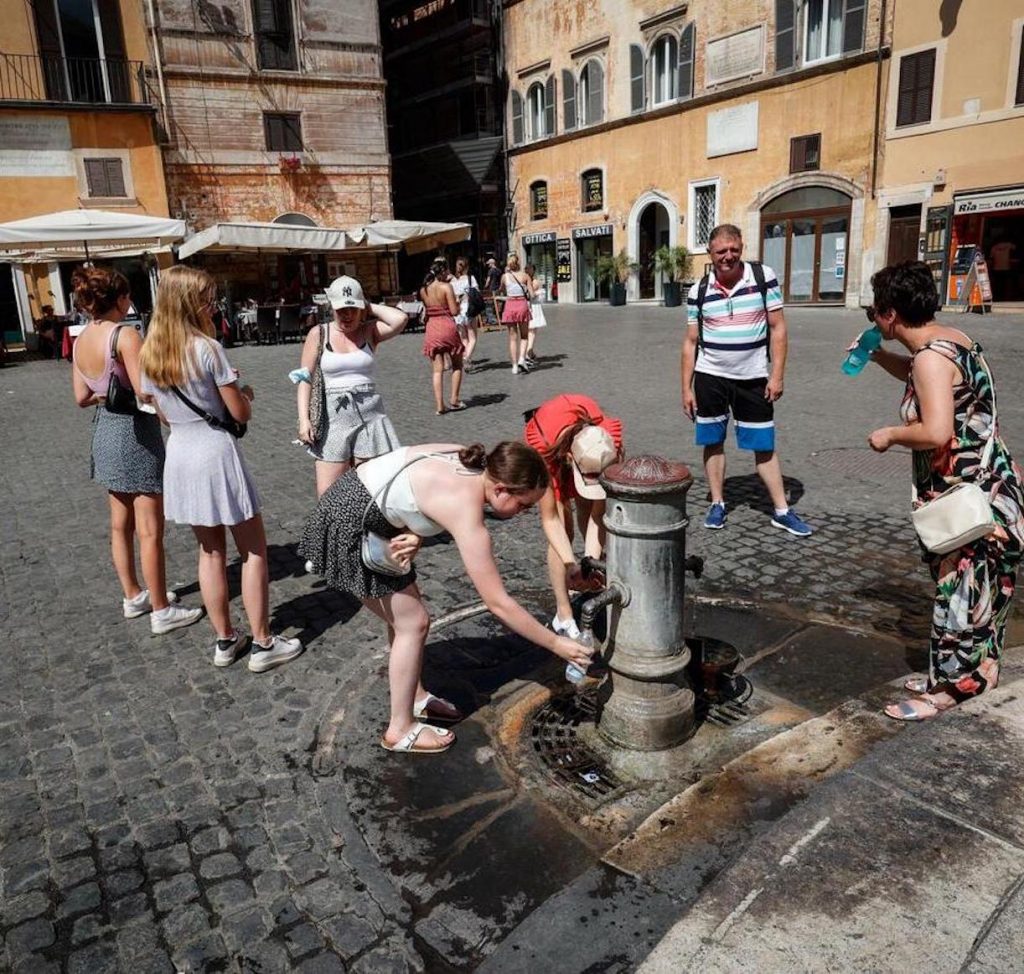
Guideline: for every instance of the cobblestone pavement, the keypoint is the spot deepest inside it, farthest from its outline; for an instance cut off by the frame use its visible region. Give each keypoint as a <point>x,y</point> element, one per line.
<point>157,814</point>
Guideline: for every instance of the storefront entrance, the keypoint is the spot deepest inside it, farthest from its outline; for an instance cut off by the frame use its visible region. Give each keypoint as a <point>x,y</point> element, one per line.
<point>539,249</point>
<point>10,320</point>
<point>652,233</point>
<point>804,239</point>
<point>995,221</point>
<point>592,243</point>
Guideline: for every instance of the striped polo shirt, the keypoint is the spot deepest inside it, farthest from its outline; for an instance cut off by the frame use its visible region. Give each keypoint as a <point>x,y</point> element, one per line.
<point>735,325</point>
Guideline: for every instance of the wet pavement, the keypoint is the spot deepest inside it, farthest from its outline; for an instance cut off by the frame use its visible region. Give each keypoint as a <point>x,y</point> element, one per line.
<point>157,814</point>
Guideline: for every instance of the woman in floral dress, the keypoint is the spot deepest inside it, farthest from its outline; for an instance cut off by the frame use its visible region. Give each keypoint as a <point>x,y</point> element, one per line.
<point>949,415</point>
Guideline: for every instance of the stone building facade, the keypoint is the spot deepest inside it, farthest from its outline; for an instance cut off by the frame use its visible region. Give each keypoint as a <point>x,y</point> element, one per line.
<point>641,124</point>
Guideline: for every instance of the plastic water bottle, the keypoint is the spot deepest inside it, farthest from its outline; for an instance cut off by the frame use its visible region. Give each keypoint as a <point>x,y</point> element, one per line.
<point>572,672</point>
<point>859,355</point>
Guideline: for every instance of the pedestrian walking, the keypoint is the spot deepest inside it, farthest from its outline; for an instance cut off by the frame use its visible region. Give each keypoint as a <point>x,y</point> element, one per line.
<point>516,314</point>
<point>387,505</point>
<point>206,481</point>
<point>577,441</point>
<point>356,426</point>
<point>442,337</point>
<point>733,361</point>
<point>127,446</point>
<point>467,293</point>
<point>537,317</point>
<point>949,421</point>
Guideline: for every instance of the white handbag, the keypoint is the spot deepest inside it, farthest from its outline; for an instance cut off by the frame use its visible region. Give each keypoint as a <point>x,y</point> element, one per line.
<point>963,513</point>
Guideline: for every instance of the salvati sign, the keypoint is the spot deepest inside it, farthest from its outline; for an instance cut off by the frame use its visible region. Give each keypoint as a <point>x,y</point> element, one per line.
<point>601,230</point>
<point>1006,199</point>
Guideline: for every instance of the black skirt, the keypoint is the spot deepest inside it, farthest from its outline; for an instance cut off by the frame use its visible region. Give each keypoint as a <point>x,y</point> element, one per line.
<point>332,538</point>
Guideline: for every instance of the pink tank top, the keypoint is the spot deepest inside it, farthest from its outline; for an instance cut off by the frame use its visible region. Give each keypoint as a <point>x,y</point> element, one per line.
<point>110,364</point>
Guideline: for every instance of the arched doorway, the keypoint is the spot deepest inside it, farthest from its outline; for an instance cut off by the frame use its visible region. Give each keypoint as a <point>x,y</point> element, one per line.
<point>652,233</point>
<point>805,240</point>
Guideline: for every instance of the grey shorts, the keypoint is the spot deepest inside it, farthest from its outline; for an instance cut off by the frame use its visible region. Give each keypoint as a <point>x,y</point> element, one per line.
<point>357,427</point>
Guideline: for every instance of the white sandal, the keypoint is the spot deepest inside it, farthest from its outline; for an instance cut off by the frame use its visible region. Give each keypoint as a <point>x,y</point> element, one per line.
<point>407,744</point>
<point>421,708</point>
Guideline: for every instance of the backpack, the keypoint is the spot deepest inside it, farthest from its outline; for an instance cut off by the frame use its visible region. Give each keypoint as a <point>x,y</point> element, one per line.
<point>474,302</point>
<point>757,269</point>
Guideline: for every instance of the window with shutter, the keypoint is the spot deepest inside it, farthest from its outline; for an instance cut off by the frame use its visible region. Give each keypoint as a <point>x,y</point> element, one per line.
<point>539,201</point>
<point>854,16</point>
<point>914,98</point>
<point>104,178</point>
<point>535,112</point>
<point>1019,99</point>
<point>568,100</point>
<point>785,34</point>
<point>636,78</point>
<point>592,92</point>
<point>550,100</point>
<point>283,131</point>
<point>275,35</point>
<point>686,45</point>
<point>805,153</point>
<point>664,69</point>
<point>592,190</point>
<point>517,118</point>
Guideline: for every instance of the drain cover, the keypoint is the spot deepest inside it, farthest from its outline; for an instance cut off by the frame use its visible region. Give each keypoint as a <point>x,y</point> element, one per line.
<point>568,762</point>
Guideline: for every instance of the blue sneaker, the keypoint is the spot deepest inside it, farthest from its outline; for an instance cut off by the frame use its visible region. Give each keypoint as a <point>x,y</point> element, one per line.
<point>791,522</point>
<point>716,517</point>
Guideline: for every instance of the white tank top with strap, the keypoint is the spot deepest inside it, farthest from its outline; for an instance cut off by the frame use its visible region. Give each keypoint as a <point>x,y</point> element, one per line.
<point>396,500</point>
<point>347,370</point>
<point>513,288</point>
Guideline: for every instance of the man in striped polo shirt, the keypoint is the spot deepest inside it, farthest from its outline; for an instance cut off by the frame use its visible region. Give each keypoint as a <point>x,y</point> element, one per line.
<point>734,357</point>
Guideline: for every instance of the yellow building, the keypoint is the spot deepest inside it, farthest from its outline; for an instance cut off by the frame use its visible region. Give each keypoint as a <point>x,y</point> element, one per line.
<point>953,181</point>
<point>637,124</point>
<point>77,129</point>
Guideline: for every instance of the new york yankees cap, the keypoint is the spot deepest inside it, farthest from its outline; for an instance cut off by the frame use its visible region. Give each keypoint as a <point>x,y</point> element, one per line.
<point>345,292</point>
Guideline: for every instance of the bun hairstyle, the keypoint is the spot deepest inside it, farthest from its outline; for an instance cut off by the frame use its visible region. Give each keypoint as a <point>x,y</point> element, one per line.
<point>518,466</point>
<point>908,288</point>
<point>512,263</point>
<point>437,270</point>
<point>98,289</point>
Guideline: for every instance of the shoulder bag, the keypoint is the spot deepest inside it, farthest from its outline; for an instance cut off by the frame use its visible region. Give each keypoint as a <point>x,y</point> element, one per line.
<point>229,425</point>
<point>318,395</point>
<point>963,513</point>
<point>120,397</point>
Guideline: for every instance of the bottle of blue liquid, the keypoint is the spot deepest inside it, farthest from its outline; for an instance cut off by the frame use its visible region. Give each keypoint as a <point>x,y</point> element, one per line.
<point>859,355</point>
<point>572,672</point>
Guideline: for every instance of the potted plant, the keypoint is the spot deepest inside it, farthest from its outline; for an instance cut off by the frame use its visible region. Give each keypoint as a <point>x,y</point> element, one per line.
<point>614,271</point>
<point>674,263</point>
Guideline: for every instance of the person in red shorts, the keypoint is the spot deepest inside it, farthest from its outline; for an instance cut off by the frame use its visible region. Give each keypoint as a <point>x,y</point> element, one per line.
<point>577,441</point>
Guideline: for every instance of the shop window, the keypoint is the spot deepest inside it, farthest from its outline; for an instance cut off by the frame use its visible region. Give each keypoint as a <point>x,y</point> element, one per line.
<point>275,35</point>
<point>539,200</point>
<point>283,131</point>
<point>785,34</point>
<point>1019,99</point>
<point>568,100</point>
<point>703,212</point>
<point>104,177</point>
<point>917,79</point>
<point>592,92</point>
<point>517,118</point>
<point>592,190</point>
<point>636,78</point>
<point>664,66</point>
<point>832,28</point>
<point>686,47</point>
<point>805,153</point>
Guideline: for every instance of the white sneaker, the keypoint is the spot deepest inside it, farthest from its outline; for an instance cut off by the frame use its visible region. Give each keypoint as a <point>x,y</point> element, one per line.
<point>140,605</point>
<point>173,617</point>
<point>227,649</point>
<point>566,627</point>
<point>515,370</point>
<point>280,650</point>
<point>524,366</point>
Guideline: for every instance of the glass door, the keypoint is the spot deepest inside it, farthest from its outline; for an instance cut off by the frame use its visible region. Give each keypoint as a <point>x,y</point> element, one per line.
<point>832,259</point>
<point>588,251</point>
<point>802,240</point>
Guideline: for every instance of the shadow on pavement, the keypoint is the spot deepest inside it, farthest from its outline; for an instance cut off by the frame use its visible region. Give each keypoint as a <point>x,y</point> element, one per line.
<point>748,490</point>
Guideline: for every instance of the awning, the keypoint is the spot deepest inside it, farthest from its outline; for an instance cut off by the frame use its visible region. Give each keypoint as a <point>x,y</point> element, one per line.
<point>269,238</point>
<point>990,201</point>
<point>414,236</point>
<point>84,234</point>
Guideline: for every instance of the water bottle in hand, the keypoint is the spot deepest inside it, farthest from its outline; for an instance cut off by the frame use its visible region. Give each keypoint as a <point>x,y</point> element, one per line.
<point>858,356</point>
<point>572,672</point>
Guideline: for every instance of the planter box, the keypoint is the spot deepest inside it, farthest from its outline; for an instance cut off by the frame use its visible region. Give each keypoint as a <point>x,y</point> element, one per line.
<point>617,294</point>
<point>672,291</point>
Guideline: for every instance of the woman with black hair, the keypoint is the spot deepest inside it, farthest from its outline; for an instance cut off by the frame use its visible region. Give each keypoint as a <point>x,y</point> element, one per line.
<point>442,336</point>
<point>397,499</point>
<point>949,421</point>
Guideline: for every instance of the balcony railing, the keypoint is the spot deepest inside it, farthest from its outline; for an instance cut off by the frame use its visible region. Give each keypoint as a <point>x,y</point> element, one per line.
<point>72,80</point>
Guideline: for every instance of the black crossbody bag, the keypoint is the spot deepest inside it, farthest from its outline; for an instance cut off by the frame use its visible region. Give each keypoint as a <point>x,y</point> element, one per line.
<point>120,398</point>
<point>232,426</point>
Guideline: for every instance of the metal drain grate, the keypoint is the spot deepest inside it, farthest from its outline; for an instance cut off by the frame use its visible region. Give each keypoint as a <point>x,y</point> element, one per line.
<point>570,763</point>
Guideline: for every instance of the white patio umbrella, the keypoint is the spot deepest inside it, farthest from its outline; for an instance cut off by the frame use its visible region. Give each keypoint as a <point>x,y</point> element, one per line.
<point>73,234</point>
<point>412,235</point>
<point>266,238</point>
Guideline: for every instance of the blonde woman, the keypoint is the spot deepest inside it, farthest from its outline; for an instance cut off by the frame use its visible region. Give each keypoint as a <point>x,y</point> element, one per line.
<point>206,482</point>
<point>516,314</point>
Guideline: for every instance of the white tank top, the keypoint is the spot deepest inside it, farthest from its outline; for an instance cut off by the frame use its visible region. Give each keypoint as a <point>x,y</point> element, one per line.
<point>346,370</point>
<point>397,502</point>
<point>513,288</point>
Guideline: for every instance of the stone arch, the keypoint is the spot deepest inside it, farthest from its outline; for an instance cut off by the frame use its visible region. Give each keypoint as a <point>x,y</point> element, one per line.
<point>294,219</point>
<point>633,232</point>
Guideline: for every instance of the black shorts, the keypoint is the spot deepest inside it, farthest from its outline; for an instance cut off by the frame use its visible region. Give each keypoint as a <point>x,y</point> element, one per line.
<point>717,397</point>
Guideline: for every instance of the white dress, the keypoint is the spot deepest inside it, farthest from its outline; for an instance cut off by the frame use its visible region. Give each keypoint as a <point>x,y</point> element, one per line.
<point>537,319</point>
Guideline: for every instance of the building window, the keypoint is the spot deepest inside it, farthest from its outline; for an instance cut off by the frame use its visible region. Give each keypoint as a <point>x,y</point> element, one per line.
<point>568,100</point>
<point>703,212</point>
<point>785,34</point>
<point>539,201</point>
<point>1019,98</point>
<point>917,80</point>
<point>275,35</point>
<point>664,65</point>
<point>831,28</point>
<point>283,131</point>
<point>686,49</point>
<point>592,190</point>
<point>535,111</point>
<point>805,153</point>
<point>592,92</point>
<point>517,118</point>
<point>104,177</point>
<point>636,78</point>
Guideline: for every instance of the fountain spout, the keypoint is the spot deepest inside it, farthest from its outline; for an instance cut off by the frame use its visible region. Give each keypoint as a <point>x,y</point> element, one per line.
<point>615,594</point>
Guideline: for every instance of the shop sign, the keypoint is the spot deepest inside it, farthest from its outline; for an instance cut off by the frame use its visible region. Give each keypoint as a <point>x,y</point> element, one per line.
<point>600,230</point>
<point>1008,199</point>
<point>548,236</point>
<point>563,259</point>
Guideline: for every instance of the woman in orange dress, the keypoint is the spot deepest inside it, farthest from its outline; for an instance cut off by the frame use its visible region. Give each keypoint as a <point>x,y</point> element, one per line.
<point>442,337</point>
